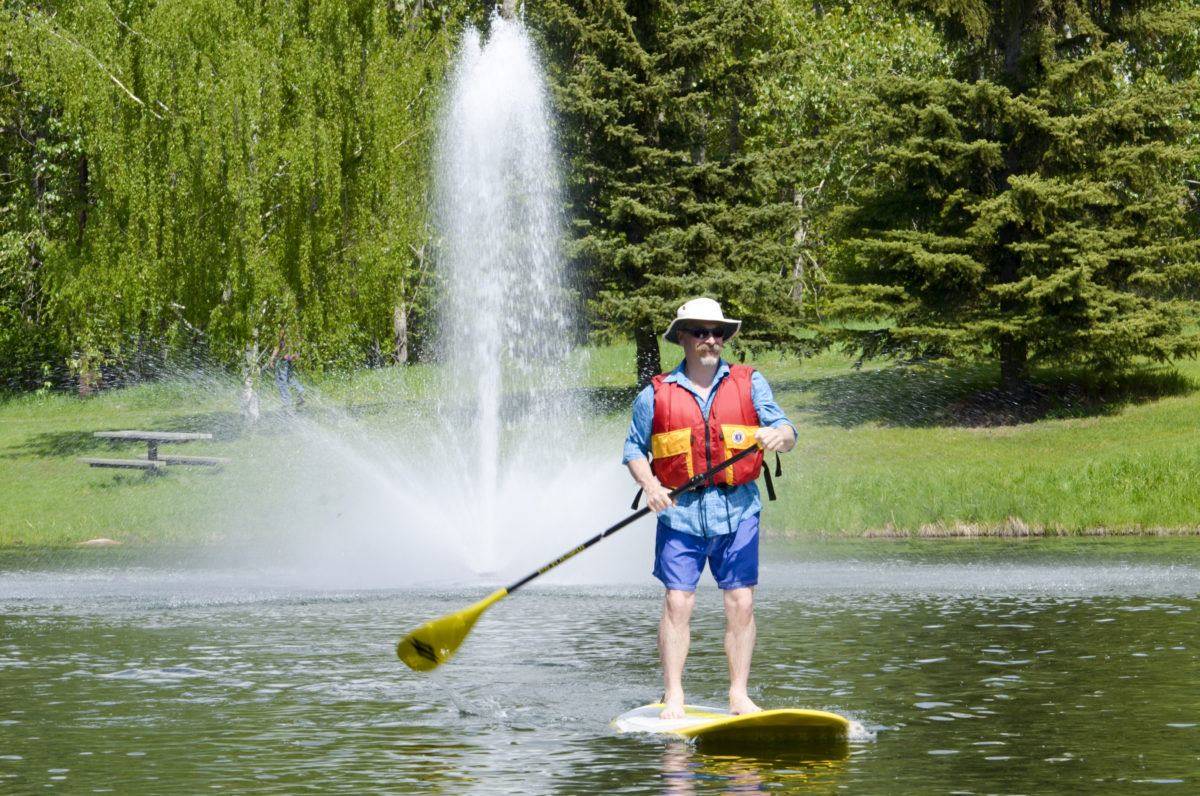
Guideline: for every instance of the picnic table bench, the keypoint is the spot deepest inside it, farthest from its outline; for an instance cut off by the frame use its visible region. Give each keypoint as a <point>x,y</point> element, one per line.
<point>154,461</point>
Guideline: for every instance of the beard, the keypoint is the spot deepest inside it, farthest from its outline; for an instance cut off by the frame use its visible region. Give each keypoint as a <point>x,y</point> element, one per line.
<point>709,359</point>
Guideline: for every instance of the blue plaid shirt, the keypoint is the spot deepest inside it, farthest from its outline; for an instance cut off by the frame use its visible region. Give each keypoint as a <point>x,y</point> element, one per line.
<point>705,512</point>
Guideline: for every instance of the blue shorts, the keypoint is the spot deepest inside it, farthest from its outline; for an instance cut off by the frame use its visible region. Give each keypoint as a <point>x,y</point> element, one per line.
<point>733,557</point>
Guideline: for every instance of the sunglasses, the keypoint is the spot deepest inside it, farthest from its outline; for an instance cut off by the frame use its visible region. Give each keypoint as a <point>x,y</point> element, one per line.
<point>704,334</point>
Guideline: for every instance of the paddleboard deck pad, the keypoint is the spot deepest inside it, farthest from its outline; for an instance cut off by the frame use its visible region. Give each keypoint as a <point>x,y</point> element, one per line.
<point>784,726</point>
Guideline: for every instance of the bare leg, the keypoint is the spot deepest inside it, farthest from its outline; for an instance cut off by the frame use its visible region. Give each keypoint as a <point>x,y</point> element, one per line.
<point>740,632</point>
<point>674,637</point>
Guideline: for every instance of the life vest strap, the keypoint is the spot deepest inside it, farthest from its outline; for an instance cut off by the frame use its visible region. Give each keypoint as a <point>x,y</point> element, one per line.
<point>767,475</point>
<point>770,485</point>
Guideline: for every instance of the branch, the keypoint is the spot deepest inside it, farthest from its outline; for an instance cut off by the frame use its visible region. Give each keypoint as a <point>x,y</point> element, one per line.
<point>127,27</point>
<point>179,308</point>
<point>423,263</point>
<point>405,141</point>
<point>50,29</point>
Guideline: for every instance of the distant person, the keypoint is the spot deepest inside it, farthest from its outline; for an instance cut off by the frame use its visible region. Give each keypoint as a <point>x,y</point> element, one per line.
<point>688,421</point>
<point>283,358</point>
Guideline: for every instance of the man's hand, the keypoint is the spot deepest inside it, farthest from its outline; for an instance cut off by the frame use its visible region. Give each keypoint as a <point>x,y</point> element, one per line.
<point>779,439</point>
<point>658,497</point>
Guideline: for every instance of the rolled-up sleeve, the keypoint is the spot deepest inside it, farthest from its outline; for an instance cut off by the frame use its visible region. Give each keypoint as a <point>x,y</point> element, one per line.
<point>769,412</point>
<point>637,441</point>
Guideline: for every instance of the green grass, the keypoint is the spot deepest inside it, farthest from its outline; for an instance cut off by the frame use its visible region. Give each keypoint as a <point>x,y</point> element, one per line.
<point>882,449</point>
<point>918,450</point>
<point>51,498</point>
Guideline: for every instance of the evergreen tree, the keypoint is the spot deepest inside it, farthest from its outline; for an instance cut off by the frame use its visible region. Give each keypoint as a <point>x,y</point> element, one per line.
<point>667,200</point>
<point>1035,206</point>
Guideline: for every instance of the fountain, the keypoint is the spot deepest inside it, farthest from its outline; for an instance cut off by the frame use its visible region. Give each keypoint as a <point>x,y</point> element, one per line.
<point>503,466</point>
<point>505,321</point>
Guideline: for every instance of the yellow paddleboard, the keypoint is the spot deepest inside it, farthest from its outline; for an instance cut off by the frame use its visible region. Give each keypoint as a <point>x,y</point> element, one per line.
<point>786,725</point>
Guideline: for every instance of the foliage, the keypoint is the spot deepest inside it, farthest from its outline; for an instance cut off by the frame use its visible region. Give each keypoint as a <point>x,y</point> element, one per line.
<point>1035,206</point>
<point>193,173</point>
<point>1010,180</point>
<point>41,168</point>
<point>813,118</point>
<point>657,100</point>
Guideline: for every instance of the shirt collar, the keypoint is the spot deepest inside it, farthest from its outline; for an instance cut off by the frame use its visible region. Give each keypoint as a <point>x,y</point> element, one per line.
<point>679,377</point>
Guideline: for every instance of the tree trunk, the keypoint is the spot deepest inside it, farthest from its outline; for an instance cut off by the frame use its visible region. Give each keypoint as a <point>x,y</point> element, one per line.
<point>250,370</point>
<point>400,334</point>
<point>81,198</point>
<point>1014,365</point>
<point>735,127</point>
<point>648,363</point>
<point>799,240</point>
<point>1014,352</point>
<point>89,378</point>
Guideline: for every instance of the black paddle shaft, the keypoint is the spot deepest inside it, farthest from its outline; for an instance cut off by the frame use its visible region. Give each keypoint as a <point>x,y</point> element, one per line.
<point>693,483</point>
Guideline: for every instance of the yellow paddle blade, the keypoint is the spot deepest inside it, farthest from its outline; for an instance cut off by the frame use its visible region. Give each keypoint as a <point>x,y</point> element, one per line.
<point>435,642</point>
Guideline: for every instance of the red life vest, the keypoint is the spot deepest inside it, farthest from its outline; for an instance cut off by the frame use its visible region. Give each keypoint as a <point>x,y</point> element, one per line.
<point>683,444</point>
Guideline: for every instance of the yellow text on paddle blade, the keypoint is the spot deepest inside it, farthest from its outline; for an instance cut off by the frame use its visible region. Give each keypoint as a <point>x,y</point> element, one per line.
<point>436,641</point>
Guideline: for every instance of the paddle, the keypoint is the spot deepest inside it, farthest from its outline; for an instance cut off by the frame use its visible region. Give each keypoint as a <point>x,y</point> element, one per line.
<point>435,642</point>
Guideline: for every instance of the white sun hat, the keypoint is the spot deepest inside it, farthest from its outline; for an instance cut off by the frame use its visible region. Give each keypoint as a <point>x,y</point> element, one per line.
<point>704,310</point>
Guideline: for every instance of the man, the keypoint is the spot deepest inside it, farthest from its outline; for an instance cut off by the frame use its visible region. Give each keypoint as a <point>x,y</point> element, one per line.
<point>283,359</point>
<point>690,420</point>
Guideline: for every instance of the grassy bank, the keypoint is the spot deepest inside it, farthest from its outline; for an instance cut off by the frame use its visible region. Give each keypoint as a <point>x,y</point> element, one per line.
<point>891,451</point>
<point>1137,468</point>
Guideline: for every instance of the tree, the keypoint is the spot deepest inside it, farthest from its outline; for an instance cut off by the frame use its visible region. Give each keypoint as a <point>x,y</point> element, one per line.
<point>43,207</point>
<point>1033,207</point>
<point>230,167</point>
<point>811,118</point>
<point>668,201</point>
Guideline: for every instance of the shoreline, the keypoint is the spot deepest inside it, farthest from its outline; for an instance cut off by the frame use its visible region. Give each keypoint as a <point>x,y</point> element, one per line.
<point>1011,530</point>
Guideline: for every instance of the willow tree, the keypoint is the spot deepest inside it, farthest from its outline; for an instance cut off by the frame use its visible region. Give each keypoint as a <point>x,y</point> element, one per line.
<point>43,172</point>
<point>238,167</point>
<point>1035,206</point>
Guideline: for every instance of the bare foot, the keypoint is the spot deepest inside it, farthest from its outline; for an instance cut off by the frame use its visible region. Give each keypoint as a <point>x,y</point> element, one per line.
<point>672,707</point>
<point>741,703</point>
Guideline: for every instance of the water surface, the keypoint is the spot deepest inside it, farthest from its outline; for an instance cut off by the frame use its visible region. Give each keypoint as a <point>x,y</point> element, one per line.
<point>1029,667</point>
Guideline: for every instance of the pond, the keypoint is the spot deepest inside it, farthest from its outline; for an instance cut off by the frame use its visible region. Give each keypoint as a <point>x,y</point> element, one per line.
<point>1006,666</point>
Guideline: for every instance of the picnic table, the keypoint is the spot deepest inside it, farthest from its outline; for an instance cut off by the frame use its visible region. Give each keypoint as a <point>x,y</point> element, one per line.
<point>153,460</point>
